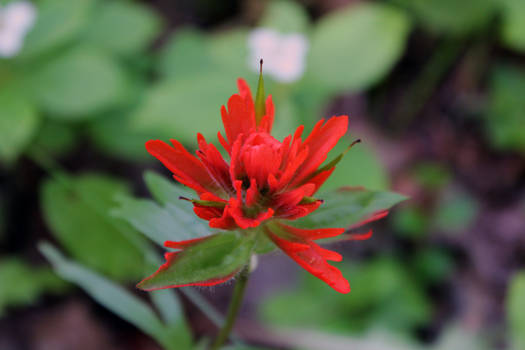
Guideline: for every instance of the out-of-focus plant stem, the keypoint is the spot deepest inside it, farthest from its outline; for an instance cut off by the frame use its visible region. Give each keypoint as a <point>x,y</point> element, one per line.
<point>426,83</point>
<point>233,309</point>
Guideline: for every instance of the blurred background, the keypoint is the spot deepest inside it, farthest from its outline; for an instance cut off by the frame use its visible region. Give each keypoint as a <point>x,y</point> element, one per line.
<point>435,89</point>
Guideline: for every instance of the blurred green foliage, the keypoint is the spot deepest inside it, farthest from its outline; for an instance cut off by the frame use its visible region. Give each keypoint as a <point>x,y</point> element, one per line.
<point>77,212</point>
<point>111,28</point>
<point>431,175</point>
<point>505,117</point>
<point>384,295</point>
<point>356,63</point>
<point>450,17</point>
<point>369,173</point>
<point>515,306</point>
<point>18,122</point>
<point>411,222</point>
<point>172,332</point>
<point>455,211</point>
<point>22,284</point>
<point>513,28</point>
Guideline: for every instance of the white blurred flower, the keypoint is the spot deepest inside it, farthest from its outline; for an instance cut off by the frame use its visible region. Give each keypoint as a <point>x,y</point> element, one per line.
<point>284,54</point>
<point>16,19</point>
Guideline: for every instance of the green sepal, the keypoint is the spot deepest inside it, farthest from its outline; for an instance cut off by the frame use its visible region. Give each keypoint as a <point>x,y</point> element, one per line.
<point>337,159</point>
<point>260,99</point>
<point>308,200</point>
<point>263,244</point>
<point>213,260</point>
<point>348,207</point>
<point>204,203</point>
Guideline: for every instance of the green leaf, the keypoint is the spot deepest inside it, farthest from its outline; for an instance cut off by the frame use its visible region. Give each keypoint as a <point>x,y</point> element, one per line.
<point>115,298</point>
<point>123,27</point>
<point>77,211</point>
<point>57,23</point>
<point>182,109</point>
<point>513,27</point>
<point>174,220</point>
<point>78,83</point>
<point>515,304</point>
<point>348,207</point>
<point>370,173</point>
<point>356,47</point>
<point>505,118</point>
<point>23,284</point>
<point>18,123</point>
<point>451,17</point>
<point>285,16</point>
<point>215,257</point>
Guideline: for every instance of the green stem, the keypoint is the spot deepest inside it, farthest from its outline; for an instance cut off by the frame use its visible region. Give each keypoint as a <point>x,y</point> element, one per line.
<point>235,304</point>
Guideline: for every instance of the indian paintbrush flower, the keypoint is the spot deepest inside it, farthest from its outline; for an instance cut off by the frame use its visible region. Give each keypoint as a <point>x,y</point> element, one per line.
<point>265,185</point>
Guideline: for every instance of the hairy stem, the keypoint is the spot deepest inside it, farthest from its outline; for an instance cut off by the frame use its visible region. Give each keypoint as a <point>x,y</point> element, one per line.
<point>233,309</point>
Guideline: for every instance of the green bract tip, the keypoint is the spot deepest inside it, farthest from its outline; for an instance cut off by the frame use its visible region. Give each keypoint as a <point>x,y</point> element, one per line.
<point>260,103</point>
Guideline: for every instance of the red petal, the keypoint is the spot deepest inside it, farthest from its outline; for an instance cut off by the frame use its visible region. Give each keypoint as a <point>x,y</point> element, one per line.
<point>291,167</point>
<point>208,213</point>
<point>317,233</point>
<point>235,161</point>
<point>301,210</point>
<point>238,119</point>
<point>288,200</point>
<point>328,254</point>
<point>312,259</point>
<point>224,143</point>
<point>319,179</point>
<point>225,222</point>
<point>322,139</point>
<point>358,236</point>
<point>244,89</point>
<point>217,168</point>
<point>186,168</point>
<point>252,194</point>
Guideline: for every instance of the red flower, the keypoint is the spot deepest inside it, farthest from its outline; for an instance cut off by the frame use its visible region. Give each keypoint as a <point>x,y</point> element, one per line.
<point>265,182</point>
